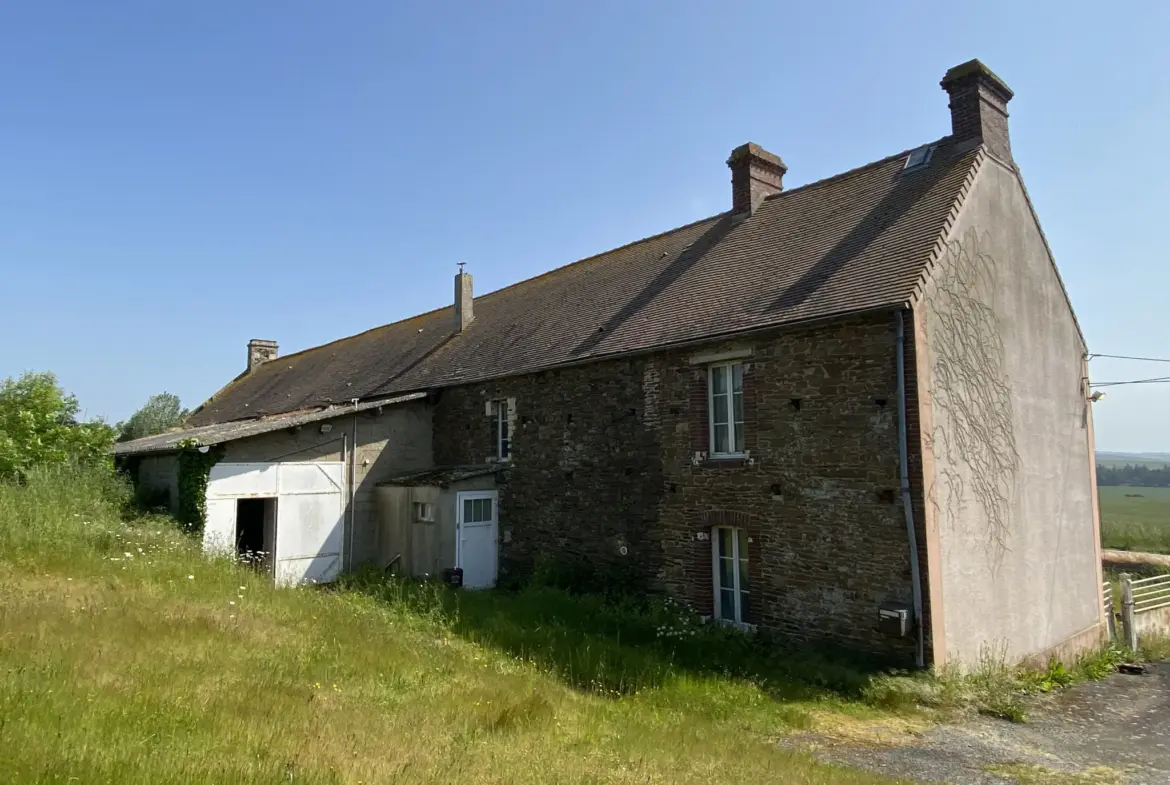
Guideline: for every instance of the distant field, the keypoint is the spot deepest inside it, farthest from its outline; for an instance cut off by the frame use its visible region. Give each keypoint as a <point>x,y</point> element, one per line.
<point>1135,519</point>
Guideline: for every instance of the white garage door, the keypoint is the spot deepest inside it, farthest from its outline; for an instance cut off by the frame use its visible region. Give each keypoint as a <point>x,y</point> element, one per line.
<point>309,514</point>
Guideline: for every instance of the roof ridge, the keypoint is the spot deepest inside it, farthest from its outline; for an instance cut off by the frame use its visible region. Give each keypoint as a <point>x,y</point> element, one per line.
<point>850,172</point>
<point>504,288</point>
<point>245,374</point>
<point>389,356</point>
<point>592,257</point>
<point>305,351</point>
<point>599,254</point>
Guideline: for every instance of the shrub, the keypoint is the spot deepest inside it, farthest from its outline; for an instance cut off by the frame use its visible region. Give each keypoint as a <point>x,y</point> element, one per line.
<point>39,427</point>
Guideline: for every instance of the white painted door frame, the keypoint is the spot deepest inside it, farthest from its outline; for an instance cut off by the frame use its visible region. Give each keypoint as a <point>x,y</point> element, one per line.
<point>493,523</point>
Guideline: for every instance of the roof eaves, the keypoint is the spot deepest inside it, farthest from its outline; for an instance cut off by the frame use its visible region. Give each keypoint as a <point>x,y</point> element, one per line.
<point>675,345</point>
<point>220,433</point>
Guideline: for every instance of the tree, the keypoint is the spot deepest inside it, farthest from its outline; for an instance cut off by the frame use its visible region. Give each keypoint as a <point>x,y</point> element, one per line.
<point>39,427</point>
<point>160,413</point>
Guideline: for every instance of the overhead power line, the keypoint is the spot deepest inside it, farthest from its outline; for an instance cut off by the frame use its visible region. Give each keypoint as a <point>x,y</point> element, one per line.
<point>1158,380</point>
<point>1123,357</point>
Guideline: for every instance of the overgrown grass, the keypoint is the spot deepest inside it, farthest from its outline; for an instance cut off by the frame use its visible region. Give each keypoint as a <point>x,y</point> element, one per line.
<point>127,658</point>
<point>1135,519</point>
<point>994,686</point>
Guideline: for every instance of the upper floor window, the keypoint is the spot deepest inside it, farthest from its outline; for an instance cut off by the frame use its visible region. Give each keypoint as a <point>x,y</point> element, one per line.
<point>501,438</point>
<point>725,408</point>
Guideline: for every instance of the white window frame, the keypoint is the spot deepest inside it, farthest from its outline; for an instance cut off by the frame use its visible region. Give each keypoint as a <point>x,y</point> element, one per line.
<point>733,429</point>
<point>501,412</point>
<point>718,614</point>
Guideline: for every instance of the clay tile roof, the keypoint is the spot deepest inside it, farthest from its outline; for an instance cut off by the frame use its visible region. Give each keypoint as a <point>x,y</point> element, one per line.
<point>854,242</point>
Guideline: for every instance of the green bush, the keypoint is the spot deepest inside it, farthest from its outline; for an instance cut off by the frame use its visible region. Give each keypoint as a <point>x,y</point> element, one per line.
<point>39,427</point>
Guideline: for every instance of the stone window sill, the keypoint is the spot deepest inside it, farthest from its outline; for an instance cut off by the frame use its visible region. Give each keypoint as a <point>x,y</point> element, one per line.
<point>727,461</point>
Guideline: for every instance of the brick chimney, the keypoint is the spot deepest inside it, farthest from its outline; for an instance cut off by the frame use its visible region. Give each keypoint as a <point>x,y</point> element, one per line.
<point>260,352</point>
<point>755,174</point>
<point>464,312</point>
<point>979,102</point>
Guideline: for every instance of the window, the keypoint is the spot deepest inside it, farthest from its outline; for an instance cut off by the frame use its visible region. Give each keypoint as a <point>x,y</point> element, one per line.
<point>725,408</point>
<point>477,510</point>
<point>730,556</point>
<point>919,156</point>
<point>424,512</point>
<point>501,441</point>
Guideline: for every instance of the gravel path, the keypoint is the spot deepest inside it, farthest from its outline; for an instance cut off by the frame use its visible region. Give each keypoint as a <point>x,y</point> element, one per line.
<point>1121,722</point>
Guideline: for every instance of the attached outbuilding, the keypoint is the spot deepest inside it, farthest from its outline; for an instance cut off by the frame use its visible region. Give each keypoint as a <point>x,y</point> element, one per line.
<point>293,494</point>
<point>434,519</point>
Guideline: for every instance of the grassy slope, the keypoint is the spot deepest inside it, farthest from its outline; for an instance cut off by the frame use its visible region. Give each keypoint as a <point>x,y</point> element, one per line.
<point>126,658</point>
<point>1135,522</point>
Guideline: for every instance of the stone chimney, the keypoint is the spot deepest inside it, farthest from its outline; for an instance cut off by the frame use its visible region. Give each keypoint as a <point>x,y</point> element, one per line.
<point>979,102</point>
<point>260,352</point>
<point>755,174</point>
<point>464,312</point>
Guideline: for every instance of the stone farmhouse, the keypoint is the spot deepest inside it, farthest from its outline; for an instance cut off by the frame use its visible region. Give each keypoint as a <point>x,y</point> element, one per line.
<point>854,411</point>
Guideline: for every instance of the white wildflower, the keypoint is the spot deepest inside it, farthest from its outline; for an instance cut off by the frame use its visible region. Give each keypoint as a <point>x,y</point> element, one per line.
<point>231,602</point>
<point>190,577</point>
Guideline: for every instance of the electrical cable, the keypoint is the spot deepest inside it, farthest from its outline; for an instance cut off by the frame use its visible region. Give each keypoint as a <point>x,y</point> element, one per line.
<point>1123,357</point>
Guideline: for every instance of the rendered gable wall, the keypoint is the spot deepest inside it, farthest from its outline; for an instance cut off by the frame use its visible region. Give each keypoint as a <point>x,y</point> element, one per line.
<point>1011,489</point>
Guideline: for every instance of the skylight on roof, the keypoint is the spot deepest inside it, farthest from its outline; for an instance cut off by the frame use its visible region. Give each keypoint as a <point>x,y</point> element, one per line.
<point>919,157</point>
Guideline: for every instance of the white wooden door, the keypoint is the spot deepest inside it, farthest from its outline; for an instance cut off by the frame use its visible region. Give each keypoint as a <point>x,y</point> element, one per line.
<point>309,522</point>
<point>310,510</point>
<point>219,527</point>
<point>476,546</point>
<point>226,483</point>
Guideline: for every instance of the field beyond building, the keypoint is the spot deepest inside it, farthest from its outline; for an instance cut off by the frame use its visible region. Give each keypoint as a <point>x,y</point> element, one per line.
<point>1135,518</point>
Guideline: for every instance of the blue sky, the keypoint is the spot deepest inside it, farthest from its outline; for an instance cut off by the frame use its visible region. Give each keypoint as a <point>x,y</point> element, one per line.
<point>176,178</point>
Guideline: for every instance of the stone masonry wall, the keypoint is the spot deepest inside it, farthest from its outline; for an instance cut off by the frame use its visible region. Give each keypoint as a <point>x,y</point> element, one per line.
<point>582,480</point>
<point>819,493</point>
<point>612,454</point>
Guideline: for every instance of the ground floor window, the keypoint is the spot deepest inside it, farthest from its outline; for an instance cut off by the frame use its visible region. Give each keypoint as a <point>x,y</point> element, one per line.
<point>729,548</point>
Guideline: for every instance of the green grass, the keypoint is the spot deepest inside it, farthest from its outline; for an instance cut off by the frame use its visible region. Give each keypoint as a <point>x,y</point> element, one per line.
<point>125,657</point>
<point>1135,519</point>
